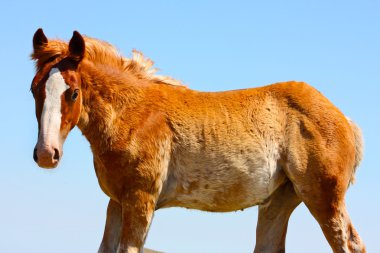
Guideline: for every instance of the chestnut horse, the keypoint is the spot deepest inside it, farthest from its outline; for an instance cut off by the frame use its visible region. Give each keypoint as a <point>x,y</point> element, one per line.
<point>158,144</point>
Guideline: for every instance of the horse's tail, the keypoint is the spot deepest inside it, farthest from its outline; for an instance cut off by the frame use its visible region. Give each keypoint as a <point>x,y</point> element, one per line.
<point>359,147</point>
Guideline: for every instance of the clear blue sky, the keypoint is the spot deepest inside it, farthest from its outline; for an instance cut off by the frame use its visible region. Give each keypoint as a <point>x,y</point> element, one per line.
<point>209,45</point>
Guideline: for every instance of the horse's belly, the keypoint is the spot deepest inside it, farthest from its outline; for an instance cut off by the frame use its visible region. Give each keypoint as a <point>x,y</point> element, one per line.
<point>223,187</point>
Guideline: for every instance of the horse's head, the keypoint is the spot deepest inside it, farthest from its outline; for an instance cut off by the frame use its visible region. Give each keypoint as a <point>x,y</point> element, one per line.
<point>56,88</point>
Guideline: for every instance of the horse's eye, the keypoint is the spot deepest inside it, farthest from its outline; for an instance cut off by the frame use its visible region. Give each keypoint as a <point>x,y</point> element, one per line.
<point>75,94</point>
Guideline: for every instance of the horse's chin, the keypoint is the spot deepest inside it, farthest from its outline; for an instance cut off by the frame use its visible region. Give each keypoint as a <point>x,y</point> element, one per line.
<point>48,166</point>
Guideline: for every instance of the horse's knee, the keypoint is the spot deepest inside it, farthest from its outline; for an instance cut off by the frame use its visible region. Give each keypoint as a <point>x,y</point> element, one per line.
<point>269,250</point>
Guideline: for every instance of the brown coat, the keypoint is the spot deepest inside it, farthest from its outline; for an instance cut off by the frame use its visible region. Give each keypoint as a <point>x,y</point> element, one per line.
<point>158,144</point>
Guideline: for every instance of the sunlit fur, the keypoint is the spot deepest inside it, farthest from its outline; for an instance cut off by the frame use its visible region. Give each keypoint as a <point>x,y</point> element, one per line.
<point>157,144</point>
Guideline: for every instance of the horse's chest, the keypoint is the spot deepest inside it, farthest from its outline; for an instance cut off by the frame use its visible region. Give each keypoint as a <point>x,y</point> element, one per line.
<point>112,175</point>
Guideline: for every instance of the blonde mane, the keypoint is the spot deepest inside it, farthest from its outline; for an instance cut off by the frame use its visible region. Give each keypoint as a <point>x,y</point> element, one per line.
<point>103,53</point>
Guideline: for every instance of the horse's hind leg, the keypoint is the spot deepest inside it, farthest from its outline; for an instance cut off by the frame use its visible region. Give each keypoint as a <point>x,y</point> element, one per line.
<point>322,189</point>
<point>273,219</point>
<point>336,226</point>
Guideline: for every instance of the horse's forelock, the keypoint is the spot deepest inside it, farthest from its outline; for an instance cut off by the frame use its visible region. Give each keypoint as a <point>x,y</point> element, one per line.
<point>53,49</point>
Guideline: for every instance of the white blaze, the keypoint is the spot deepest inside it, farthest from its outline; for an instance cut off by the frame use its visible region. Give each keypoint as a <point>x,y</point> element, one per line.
<point>51,111</point>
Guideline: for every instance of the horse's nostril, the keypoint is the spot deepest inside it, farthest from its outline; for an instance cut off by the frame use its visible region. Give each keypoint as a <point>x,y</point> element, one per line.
<point>56,155</point>
<point>35,157</point>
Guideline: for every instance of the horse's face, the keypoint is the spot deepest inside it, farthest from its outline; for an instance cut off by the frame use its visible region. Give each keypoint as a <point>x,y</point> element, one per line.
<point>56,88</point>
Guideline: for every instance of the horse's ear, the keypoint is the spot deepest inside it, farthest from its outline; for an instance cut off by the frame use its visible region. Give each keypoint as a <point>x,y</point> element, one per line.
<point>76,46</point>
<point>39,39</point>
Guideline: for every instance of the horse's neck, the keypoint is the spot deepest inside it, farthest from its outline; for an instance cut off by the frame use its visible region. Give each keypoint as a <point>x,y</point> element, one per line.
<point>104,96</point>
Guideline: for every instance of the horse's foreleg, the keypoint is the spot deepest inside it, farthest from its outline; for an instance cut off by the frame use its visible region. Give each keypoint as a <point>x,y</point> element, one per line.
<point>137,213</point>
<point>273,220</point>
<point>111,235</point>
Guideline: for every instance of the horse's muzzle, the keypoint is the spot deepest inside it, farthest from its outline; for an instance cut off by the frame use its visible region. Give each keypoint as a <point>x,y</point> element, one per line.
<point>46,157</point>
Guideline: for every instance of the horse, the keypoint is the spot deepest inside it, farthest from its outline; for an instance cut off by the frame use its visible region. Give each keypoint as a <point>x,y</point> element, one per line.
<point>157,143</point>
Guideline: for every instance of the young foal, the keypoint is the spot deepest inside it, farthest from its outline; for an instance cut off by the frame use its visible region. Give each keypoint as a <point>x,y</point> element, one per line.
<point>158,144</point>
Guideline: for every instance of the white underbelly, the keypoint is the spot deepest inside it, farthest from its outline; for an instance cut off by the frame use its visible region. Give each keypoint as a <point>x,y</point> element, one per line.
<point>221,184</point>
